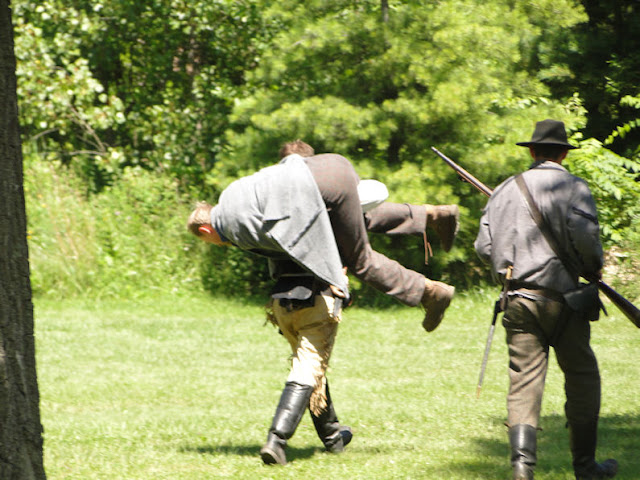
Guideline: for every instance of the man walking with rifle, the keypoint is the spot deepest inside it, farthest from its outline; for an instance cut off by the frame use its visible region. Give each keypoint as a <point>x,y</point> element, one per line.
<point>542,225</point>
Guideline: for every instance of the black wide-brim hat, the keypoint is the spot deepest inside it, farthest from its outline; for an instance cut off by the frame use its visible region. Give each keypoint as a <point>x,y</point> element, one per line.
<point>548,132</point>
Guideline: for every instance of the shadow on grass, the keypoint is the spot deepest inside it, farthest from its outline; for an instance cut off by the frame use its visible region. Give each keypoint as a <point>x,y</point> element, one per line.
<point>488,457</point>
<point>617,438</point>
<point>293,453</point>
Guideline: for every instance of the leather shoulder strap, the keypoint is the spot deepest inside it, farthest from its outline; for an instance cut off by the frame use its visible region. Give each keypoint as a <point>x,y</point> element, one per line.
<point>542,225</point>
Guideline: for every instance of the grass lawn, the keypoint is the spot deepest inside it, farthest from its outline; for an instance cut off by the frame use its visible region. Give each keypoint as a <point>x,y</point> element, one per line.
<point>185,388</point>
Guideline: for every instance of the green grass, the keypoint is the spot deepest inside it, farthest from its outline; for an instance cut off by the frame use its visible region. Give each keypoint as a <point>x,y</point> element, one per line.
<point>185,388</point>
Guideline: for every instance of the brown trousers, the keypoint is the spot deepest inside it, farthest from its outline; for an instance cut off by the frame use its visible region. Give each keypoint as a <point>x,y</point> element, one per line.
<point>530,326</point>
<point>397,219</point>
<point>338,182</point>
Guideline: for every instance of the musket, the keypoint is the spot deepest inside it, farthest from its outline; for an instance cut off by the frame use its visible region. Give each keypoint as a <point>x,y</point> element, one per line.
<point>625,306</point>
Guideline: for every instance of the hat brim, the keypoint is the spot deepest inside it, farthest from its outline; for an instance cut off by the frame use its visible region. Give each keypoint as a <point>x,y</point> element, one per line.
<point>531,144</point>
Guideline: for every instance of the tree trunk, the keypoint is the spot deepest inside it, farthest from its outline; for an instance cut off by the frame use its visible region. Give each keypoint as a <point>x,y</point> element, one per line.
<point>384,7</point>
<point>20,428</point>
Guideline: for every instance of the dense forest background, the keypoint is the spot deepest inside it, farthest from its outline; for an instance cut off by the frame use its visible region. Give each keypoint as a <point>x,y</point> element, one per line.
<point>131,111</point>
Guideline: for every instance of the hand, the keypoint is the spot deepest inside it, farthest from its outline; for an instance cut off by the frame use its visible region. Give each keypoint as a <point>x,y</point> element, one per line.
<point>337,292</point>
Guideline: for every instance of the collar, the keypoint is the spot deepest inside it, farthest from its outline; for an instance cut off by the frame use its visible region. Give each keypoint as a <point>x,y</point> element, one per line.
<point>546,164</point>
<point>215,223</point>
<point>290,157</point>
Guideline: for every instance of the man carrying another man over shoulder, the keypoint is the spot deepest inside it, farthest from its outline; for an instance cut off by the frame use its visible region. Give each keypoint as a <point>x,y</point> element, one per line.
<point>305,215</point>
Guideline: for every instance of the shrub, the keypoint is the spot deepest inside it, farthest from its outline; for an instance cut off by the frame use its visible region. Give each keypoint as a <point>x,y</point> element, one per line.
<point>128,239</point>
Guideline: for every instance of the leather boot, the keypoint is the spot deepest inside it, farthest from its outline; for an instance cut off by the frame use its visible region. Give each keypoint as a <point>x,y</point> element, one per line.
<point>435,300</point>
<point>582,440</point>
<point>522,438</point>
<point>333,435</point>
<point>293,403</point>
<point>443,219</point>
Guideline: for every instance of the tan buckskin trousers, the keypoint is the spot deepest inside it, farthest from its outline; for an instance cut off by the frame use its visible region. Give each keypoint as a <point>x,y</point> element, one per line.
<point>311,332</point>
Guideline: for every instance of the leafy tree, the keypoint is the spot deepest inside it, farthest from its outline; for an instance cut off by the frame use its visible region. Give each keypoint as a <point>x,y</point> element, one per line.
<point>606,66</point>
<point>65,111</point>
<point>613,182</point>
<point>127,83</point>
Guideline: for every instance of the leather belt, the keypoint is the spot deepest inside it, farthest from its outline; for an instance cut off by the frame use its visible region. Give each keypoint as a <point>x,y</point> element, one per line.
<point>534,290</point>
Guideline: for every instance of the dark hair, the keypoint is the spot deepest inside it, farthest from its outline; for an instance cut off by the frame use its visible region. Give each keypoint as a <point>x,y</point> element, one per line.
<point>550,151</point>
<point>297,146</point>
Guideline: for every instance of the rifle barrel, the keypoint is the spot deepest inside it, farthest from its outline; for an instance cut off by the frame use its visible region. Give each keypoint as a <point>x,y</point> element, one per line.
<point>463,174</point>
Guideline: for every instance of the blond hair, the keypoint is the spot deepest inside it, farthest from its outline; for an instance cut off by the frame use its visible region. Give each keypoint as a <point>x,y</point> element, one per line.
<point>200,216</point>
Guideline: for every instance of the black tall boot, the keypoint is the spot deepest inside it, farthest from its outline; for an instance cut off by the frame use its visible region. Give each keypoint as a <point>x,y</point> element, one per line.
<point>333,435</point>
<point>293,403</point>
<point>582,440</point>
<point>522,438</point>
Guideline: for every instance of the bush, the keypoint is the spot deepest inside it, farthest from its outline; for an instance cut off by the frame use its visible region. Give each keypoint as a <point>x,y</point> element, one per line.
<point>622,267</point>
<point>120,243</point>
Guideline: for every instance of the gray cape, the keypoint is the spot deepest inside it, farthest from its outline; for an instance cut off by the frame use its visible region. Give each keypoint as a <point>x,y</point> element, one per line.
<point>279,210</point>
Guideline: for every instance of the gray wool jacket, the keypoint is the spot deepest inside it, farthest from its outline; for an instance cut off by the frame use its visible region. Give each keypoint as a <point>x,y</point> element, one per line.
<point>279,210</point>
<point>508,235</point>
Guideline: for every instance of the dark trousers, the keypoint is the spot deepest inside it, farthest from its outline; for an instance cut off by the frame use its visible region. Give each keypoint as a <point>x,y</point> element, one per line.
<point>532,326</point>
<point>338,184</point>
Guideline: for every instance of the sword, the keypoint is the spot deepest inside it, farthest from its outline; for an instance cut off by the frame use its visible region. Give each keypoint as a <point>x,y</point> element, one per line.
<point>498,307</point>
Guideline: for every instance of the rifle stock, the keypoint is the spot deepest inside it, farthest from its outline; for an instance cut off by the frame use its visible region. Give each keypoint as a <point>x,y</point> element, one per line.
<point>625,306</point>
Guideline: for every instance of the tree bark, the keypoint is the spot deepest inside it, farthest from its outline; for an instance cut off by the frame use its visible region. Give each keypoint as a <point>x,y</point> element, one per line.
<point>20,428</point>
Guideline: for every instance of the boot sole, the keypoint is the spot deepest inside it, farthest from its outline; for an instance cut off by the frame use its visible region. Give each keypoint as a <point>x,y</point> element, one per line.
<point>269,457</point>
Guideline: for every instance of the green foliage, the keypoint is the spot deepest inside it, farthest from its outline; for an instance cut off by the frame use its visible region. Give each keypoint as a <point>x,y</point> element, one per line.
<point>201,92</point>
<point>114,84</point>
<point>235,273</point>
<point>65,112</point>
<point>61,230</point>
<point>122,243</point>
<point>629,127</point>
<point>623,264</point>
<point>613,182</point>
<point>128,241</point>
<point>605,69</point>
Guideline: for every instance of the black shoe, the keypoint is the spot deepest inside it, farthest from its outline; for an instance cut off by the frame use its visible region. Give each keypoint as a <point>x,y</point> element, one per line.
<point>293,402</point>
<point>583,439</point>
<point>341,440</point>
<point>333,435</point>
<point>273,451</point>
<point>597,471</point>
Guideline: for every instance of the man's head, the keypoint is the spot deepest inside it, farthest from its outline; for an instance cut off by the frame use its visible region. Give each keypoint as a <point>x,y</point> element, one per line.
<point>297,146</point>
<point>554,153</point>
<point>199,224</point>
<point>549,141</point>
